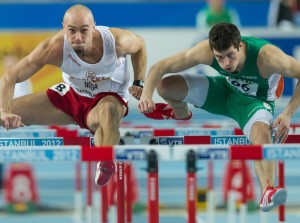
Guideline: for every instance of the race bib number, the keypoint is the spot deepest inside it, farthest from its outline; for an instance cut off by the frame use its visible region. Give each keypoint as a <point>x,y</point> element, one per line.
<point>247,87</point>
<point>61,88</point>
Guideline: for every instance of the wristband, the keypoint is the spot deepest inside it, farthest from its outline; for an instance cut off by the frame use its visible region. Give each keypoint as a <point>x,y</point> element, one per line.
<point>138,83</point>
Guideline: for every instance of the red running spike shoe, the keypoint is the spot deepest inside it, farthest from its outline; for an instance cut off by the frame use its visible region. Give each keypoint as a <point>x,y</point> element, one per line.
<point>164,111</point>
<point>105,170</point>
<point>272,197</point>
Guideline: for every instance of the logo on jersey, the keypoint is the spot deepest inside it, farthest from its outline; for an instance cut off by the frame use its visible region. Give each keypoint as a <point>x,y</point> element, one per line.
<point>90,85</point>
<point>91,76</point>
<point>74,60</point>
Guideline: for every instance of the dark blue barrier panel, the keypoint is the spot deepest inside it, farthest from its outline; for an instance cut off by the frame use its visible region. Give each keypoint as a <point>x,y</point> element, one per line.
<point>166,14</point>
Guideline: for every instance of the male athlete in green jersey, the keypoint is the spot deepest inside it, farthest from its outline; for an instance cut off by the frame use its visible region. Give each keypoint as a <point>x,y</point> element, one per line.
<point>250,81</point>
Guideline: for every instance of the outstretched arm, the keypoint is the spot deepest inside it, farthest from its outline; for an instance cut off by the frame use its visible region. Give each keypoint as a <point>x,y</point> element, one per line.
<point>199,54</point>
<point>22,71</point>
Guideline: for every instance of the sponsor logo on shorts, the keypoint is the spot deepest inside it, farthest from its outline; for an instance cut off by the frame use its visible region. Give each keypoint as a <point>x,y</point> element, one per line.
<point>268,107</point>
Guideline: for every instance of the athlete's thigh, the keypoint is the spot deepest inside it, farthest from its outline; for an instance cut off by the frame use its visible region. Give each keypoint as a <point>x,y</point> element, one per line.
<point>36,109</point>
<point>208,93</point>
<point>254,111</point>
<point>95,116</point>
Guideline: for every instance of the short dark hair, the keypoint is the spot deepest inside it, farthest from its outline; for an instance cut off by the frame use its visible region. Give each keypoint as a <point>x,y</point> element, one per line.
<point>224,35</point>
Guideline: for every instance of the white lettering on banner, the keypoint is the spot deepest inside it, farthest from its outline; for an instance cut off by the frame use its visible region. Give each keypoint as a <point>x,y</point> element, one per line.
<point>152,195</point>
<point>170,141</point>
<point>212,153</point>
<point>120,171</point>
<point>230,140</point>
<point>282,153</point>
<point>192,189</point>
<point>7,143</point>
<point>130,154</point>
<point>204,132</point>
<point>39,155</point>
<point>23,156</point>
<point>27,134</point>
<point>30,142</point>
<point>64,155</point>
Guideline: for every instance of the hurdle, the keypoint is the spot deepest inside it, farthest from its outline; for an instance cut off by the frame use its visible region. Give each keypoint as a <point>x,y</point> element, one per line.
<point>178,153</point>
<point>48,137</point>
<point>138,132</point>
<point>30,133</point>
<point>232,140</point>
<point>140,153</point>
<point>191,168</point>
<point>107,209</point>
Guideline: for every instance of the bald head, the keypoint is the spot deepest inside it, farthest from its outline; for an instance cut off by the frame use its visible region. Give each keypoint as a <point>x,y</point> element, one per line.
<point>78,13</point>
<point>79,26</point>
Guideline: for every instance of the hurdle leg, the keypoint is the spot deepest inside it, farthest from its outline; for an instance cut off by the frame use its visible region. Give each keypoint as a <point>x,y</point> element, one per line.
<point>243,206</point>
<point>210,193</point>
<point>120,192</point>
<point>128,171</point>
<point>281,214</point>
<point>153,207</point>
<point>78,194</point>
<point>231,201</point>
<point>104,204</point>
<point>112,192</point>
<point>191,186</point>
<point>89,211</point>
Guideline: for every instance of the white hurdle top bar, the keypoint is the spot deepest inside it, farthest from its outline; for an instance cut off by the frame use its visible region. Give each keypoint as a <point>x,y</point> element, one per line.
<point>140,153</point>
<point>62,150</point>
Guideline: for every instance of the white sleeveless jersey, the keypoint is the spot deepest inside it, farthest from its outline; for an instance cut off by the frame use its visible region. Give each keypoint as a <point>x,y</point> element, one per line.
<point>110,74</point>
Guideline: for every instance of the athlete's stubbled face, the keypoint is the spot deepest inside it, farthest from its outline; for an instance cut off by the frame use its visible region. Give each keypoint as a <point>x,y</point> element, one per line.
<point>79,32</point>
<point>79,37</point>
<point>228,59</point>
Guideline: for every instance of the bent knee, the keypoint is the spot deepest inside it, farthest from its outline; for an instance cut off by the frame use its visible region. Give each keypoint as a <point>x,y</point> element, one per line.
<point>110,112</point>
<point>108,109</point>
<point>105,113</point>
<point>172,87</point>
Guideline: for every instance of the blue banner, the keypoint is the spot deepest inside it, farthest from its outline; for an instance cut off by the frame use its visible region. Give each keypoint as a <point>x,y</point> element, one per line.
<point>171,141</point>
<point>38,154</point>
<point>130,154</point>
<point>130,14</point>
<point>213,153</point>
<point>229,140</point>
<point>10,142</point>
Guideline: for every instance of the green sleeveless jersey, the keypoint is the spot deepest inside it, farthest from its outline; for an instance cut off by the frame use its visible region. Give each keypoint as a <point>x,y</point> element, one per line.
<point>248,80</point>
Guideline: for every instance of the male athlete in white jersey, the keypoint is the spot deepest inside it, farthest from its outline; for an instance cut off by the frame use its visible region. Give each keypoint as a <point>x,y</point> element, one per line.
<point>95,90</point>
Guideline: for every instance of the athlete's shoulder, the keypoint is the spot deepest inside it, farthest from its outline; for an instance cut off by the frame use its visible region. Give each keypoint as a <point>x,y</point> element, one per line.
<point>50,50</point>
<point>58,38</point>
<point>271,59</point>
